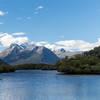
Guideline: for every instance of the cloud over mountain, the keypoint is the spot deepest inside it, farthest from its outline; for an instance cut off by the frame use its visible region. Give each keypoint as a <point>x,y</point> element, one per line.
<point>79,45</point>
<point>7,39</point>
<point>69,45</point>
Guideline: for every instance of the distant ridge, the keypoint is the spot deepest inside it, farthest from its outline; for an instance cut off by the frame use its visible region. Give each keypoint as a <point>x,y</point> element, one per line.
<point>61,53</point>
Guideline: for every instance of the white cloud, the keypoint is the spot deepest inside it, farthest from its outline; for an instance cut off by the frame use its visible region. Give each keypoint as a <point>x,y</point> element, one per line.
<point>79,45</point>
<point>3,13</point>
<point>41,43</point>
<point>69,45</point>
<point>18,34</point>
<point>39,7</point>
<point>7,39</point>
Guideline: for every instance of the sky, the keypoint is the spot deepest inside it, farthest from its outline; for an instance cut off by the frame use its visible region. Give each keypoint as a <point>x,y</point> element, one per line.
<point>68,24</point>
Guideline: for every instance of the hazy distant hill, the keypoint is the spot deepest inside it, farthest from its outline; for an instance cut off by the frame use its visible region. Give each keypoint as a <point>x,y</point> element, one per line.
<point>61,53</point>
<point>28,54</point>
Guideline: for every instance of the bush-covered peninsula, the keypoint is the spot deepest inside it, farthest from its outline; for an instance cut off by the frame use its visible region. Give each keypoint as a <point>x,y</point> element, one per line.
<point>87,63</point>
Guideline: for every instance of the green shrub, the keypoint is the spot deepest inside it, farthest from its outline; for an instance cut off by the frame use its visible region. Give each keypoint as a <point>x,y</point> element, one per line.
<point>80,64</point>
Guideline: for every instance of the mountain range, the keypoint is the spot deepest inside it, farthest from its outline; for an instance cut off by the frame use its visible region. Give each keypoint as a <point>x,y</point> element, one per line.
<point>28,54</point>
<point>22,54</point>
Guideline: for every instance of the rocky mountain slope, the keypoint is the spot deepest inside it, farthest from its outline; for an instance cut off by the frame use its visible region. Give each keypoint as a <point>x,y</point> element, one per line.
<point>28,54</point>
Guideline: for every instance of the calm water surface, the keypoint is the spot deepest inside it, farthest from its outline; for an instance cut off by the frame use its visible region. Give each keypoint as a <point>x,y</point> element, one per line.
<point>48,85</point>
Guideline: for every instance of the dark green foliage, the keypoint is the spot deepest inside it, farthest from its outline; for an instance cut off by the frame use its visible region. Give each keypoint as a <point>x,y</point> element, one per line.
<point>34,66</point>
<point>94,52</point>
<point>87,63</point>
<point>58,63</point>
<point>80,64</point>
<point>6,69</point>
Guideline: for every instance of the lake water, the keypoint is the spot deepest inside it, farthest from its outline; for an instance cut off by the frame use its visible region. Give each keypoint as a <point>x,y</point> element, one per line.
<point>48,85</point>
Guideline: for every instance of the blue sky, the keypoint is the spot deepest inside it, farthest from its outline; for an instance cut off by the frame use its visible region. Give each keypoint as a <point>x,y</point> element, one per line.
<point>52,20</point>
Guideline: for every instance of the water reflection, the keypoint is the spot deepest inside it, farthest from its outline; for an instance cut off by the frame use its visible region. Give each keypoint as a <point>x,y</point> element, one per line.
<point>47,85</point>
